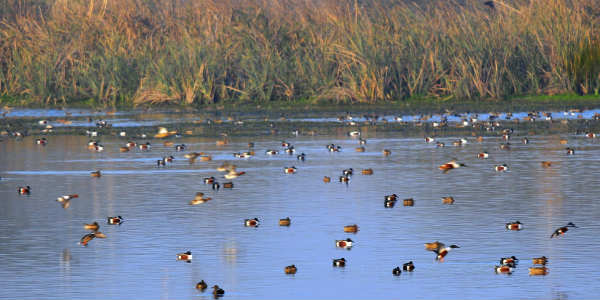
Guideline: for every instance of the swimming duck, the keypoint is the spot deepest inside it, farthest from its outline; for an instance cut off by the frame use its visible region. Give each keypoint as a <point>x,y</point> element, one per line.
<point>538,271</point>
<point>290,150</point>
<point>429,140</point>
<point>93,227</point>
<point>396,271</point>
<point>186,256</point>
<point>180,147</point>
<point>509,261</point>
<point>590,135</point>
<point>339,262</point>
<point>540,260</point>
<point>144,147</point>
<point>346,244</point>
<point>272,152</point>
<point>233,175</point>
<point>501,168</point>
<point>334,148</point>
<point>514,225</point>
<point>360,149</point>
<point>326,179</point>
<point>285,222</point>
<point>387,152</point>
<point>285,144</point>
<point>24,190</point>
<point>98,148</point>
<point>115,220</point>
<point>562,230</point>
<point>389,202</point>
<point>290,269</point>
<point>201,285</point>
<point>289,170</point>
<point>42,141</point>
<point>570,151</point>
<point>450,165</point>
<point>130,144</point>
<point>440,145</point>
<point>391,197</point>
<point>409,266</point>
<point>216,186</point>
<point>504,269</point>
<point>160,163</point>
<point>251,222</point>
<point>209,180</point>
<point>217,291</point>
<point>354,133</point>
<point>483,155</point>
<point>448,200</point>
<point>351,228</point>
<point>408,202</point>
<point>362,141</point>
<point>123,149</point>
<point>228,185</point>
<point>96,174</point>
<point>367,171</point>
<point>348,172</point>
<point>301,157</point>
<point>344,179</point>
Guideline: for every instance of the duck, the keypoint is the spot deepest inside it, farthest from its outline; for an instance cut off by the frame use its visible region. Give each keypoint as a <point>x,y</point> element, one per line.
<point>285,144</point>
<point>98,148</point>
<point>509,260</point>
<point>590,135</point>
<point>562,230</point>
<point>391,197</point>
<point>66,198</point>
<point>334,148</point>
<point>348,172</point>
<point>483,155</point>
<point>396,271</point>
<point>96,174</point>
<point>504,269</point>
<point>432,246</point>
<point>525,141</point>
<point>251,222</point>
<point>272,152</point>
<point>115,220</point>
<point>180,147</point>
<point>409,266</point>
<point>450,165</point>
<point>226,167</point>
<point>346,244</point>
<point>90,236</point>
<point>228,185</point>
<point>538,271</point>
<point>209,180</point>
<point>442,250</point>
<point>42,141</point>
<point>193,155</point>
<point>289,170</point>
<point>506,136</point>
<point>344,179</point>
<point>546,164</point>
<point>285,222</point>
<point>540,260</point>
<point>354,133</point>
<point>339,262</point>
<point>290,150</point>
<point>351,228</point>
<point>123,149</point>
<point>130,144</point>
<point>389,203</point>
<point>233,175</point>
<point>144,147</point>
<point>440,145</point>
<point>360,149</point>
<point>290,269</point>
<point>387,152</point>
<point>326,179</point>
<point>501,168</point>
<point>367,171</point>
<point>186,256</point>
<point>24,190</point>
<point>93,227</point>
<point>199,198</point>
<point>514,225</point>
<point>216,186</point>
<point>301,157</point>
<point>429,140</point>
<point>362,141</point>
<point>408,202</point>
<point>448,200</point>
<point>217,291</point>
<point>201,285</point>
<point>570,151</point>
<point>160,163</point>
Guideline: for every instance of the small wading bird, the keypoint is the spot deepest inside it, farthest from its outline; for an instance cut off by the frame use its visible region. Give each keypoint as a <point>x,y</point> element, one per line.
<point>562,230</point>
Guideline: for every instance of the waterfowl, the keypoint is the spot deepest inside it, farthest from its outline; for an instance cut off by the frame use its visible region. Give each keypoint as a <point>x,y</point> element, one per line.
<point>360,149</point>
<point>217,291</point>
<point>180,147</point>
<point>228,185</point>
<point>290,150</point>
<point>186,256</point>
<point>483,155</point>
<point>144,147</point>
<point>514,225</point>
<point>285,222</point>
<point>209,180</point>
<point>540,260</point>
<point>433,245</point>
<point>501,168</point>
<point>504,269</point>
<point>396,271</point>
<point>98,148</point>
<point>290,269</point>
<point>409,266</point>
<point>272,152</point>
<point>289,170</point>
<point>130,144</point>
<point>160,163</point>
<point>442,251</point>
<point>326,179</point>
<point>334,148</point>
<point>192,155</point>
<point>440,145</point>
<point>24,190</point>
<point>546,164</point>
<point>429,139</point>
<point>448,200</point>
<point>233,175</point>
<point>362,141</point>
<point>123,149</point>
<point>538,271</point>
<point>201,285</point>
<point>93,227</point>
<point>562,230</point>
<point>90,236</point>
<point>367,171</point>
<point>216,186</point>
<point>123,134</point>
<point>351,228</point>
<point>344,179</point>
<point>285,144</point>
<point>42,122</point>
<point>346,244</point>
<point>42,141</point>
<point>506,137</point>
<point>590,135</point>
<point>115,220</point>
<point>570,151</point>
<point>339,262</point>
<point>387,152</point>
<point>354,133</point>
<point>510,261</point>
<point>408,202</point>
<point>450,165</point>
<point>301,157</point>
<point>251,222</point>
<point>226,167</point>
<point>525,140</point>
<point>96,174</point>
<point>348,172</point>
<point>199,198</point>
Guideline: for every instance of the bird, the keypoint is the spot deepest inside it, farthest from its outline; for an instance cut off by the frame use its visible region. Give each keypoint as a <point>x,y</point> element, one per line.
<point>186,256</point>
<point>562,230</point>
<point>217,291</point>
<point>24,190</point>
<point>514,225</point>
<point>94,226</point>
<point>96,174</point>
<point>326,179</point>
<point>346,244</point>
<point>409,266</point>
<point>483,155</point>
<point>285,222</point>
<point>450,165</point>
<point>448,200</point>
<point>540,260</point>
<point>504,269</point>
<point>115,220</point>
<point>339,262</point>
<point>538,271</point>
<point>501,168</point>
<point>570,151</point>
<point>292,269</point>
<point>442,250</point>
<point>251,222</point>
<point>396,271</point>
<point>351,228</point>
<point>90,236</point>
<point>201,285</point>
<point>509,260</point>
<point>289,170</point>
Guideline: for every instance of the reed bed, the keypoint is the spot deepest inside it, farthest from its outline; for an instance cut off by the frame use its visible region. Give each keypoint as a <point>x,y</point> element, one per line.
<point>144,52</point>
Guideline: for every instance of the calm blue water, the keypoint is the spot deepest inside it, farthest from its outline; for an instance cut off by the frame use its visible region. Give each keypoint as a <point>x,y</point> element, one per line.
<point>42,260</point>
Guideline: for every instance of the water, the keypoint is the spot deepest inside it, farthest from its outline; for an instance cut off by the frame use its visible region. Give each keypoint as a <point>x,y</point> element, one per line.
<point>42,260</point>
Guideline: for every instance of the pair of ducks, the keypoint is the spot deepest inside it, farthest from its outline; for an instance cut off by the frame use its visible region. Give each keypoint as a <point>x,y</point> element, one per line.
<point>507,265</point>
<point>217,291</point>
<point>408,267</point>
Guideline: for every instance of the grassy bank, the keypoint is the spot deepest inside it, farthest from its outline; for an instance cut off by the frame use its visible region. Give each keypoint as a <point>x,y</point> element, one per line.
<point>297,53</point>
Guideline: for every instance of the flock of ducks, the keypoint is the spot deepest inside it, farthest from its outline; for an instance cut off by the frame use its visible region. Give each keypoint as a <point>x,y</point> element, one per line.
<point>507,265</point>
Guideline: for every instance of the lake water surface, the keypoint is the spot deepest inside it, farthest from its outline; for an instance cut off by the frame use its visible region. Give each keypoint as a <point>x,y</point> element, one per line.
<point>41,258</point>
